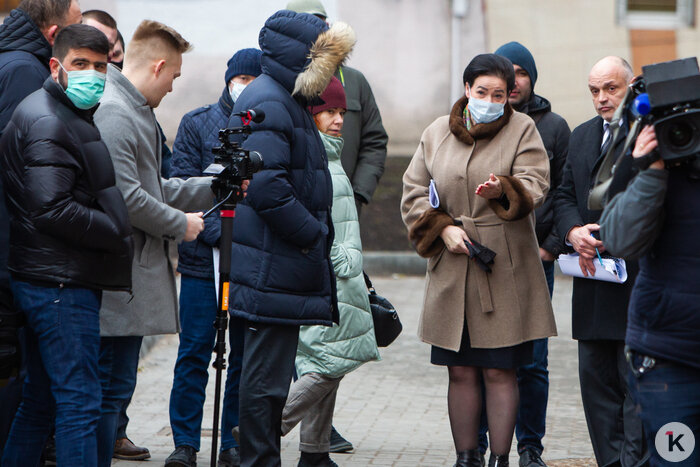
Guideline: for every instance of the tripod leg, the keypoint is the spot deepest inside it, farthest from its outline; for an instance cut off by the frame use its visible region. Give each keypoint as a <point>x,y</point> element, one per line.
<point>221,323</point>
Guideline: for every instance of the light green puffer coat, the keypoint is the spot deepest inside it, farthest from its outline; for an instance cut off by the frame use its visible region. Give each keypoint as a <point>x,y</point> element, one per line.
<point>336,351</point>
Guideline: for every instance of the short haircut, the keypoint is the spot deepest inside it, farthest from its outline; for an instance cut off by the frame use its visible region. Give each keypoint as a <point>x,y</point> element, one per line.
<point>154,40</point>
<point>45,13</point>
<point>490,65</point>
<point>79,36</point>
<point>101,17</point>
<point>629,72</point>
<point>120,39</point>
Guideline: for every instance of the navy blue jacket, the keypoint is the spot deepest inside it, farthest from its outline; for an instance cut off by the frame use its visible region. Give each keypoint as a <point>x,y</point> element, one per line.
<point>196,136</point>
<point>282,233</point>
<point>24,65</point>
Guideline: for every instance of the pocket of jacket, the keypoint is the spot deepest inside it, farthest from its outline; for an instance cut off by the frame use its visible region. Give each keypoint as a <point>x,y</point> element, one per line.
<point>353,105</point>
<point>433,261</point>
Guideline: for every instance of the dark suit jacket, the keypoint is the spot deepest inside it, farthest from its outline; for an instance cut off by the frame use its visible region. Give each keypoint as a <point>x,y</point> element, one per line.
<point>599,308</point>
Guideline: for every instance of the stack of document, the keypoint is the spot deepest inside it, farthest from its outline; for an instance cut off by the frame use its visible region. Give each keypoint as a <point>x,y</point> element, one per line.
<point>612,269</point>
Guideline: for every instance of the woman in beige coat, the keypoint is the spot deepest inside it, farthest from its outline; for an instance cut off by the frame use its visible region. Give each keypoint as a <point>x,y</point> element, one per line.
<point>476,177</point>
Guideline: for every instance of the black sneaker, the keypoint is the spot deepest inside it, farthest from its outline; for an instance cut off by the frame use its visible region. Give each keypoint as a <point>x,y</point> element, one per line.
<point>229,458</point>
<point>316,460</point>
<point>182,456</point>
<point>338,443</point>
<point>531,458</point>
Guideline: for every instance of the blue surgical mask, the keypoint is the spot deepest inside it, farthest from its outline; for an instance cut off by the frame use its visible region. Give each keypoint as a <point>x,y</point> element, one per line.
<point>236,91</point>
<point>85,87</point>
<point>484,112</point>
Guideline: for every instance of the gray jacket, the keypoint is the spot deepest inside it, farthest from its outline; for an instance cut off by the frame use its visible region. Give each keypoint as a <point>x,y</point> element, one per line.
<point>633,218</point>
<point>128,127</point>
<point>364,152</point>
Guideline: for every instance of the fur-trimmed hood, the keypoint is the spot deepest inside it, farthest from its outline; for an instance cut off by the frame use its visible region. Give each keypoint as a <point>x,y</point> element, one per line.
<point>302,53</point>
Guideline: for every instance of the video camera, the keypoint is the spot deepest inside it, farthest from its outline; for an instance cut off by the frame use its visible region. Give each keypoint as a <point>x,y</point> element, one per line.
<point>669,98</point>
<point>667,95</point>
<point>233,164</point>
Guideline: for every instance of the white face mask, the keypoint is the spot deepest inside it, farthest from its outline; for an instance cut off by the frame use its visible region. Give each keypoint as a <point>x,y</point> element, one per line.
<point>484,112</point>
<point>236,90</point>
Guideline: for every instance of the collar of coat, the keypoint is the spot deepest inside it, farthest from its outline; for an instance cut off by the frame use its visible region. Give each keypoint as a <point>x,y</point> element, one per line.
<point>479,130</point>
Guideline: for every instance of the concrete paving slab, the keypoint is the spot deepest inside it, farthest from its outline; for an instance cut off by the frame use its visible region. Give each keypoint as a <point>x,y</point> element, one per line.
<point>393,411</point>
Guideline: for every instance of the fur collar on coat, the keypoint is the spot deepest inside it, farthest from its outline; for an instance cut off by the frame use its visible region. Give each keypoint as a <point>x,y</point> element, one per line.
<point>479,130</point>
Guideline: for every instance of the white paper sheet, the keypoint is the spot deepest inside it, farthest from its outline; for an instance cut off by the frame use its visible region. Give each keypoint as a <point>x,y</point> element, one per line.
<point>215,256</point>
<point>612,269</point>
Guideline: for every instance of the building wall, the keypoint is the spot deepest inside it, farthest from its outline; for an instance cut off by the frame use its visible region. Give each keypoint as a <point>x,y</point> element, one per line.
<point>403,49</point>
<point>568,37</point>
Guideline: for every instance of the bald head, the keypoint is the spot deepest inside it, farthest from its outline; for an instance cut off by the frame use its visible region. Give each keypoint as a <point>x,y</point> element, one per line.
<point>607,83</point>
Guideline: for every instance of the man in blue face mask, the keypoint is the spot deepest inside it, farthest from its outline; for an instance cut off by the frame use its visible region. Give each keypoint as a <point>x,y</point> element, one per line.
<point>67,221</point>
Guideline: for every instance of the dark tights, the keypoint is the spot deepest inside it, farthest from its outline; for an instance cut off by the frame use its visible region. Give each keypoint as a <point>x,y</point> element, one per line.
<point>464,406</point>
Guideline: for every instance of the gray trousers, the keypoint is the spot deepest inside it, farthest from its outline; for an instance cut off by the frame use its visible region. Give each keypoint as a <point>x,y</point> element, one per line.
<point>311,401</point>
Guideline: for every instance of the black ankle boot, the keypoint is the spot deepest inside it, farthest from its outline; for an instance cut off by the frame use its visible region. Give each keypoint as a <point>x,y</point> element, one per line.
<point>498,460</point>
<point>470,458</point>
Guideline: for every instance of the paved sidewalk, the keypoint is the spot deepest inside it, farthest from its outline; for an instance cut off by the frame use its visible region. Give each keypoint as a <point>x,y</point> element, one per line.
<point>393,411</point>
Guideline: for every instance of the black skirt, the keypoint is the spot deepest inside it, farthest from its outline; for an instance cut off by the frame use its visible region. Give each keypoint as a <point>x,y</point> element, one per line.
<point>502,357</point>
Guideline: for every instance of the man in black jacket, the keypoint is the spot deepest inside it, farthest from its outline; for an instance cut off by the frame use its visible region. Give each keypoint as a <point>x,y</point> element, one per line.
<point>599,308</point>
<point>67,221</point>
<point>26,37</point>
<point>533,380</point>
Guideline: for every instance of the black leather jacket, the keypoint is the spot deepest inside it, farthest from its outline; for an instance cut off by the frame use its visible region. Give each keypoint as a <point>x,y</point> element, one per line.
<point>68,220</point>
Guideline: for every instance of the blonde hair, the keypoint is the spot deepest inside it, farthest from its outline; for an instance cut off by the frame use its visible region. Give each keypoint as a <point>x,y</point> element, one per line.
<point>153,41</point>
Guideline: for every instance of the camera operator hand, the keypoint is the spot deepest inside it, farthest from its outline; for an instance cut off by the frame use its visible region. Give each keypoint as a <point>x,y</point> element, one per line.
<point>195,225</point>
<point>645,144</point>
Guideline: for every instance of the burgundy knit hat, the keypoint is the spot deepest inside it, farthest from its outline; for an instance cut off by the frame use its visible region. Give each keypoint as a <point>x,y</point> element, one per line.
<point>333,97</point>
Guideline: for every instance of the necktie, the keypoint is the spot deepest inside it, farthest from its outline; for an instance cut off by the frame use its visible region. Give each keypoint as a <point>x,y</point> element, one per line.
<point>607,139</point>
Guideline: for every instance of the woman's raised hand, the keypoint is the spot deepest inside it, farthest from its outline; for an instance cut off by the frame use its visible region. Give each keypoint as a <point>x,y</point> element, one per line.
<point>454,239</point>
<point>490,189</point>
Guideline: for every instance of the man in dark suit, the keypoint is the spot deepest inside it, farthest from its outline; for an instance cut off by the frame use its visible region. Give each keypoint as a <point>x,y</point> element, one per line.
<point>599,308</point>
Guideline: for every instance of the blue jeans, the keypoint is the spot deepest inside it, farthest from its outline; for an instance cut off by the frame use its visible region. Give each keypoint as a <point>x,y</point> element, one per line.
<point>198,307</point>
<point>664,394</point>
<point>62,339</point>
<point>533,385</point>
<point>119,360</point>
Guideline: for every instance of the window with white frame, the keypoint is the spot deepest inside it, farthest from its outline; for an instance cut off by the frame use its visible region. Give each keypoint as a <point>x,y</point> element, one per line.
<point>656,14</point>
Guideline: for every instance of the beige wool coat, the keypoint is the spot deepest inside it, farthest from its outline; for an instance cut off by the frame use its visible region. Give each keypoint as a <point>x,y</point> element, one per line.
<point>510,305</point>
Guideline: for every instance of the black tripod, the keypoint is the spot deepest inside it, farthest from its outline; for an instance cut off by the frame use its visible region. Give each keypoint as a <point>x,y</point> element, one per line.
<point>228,210</point>
<point>233,165</point>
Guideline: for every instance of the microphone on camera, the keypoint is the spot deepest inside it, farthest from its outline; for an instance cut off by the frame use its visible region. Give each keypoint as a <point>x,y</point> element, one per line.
<point>251,115</point>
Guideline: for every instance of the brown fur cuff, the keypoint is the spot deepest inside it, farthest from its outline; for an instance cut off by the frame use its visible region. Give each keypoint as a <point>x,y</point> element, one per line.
<point>425,232</point>
<point>519,200</point>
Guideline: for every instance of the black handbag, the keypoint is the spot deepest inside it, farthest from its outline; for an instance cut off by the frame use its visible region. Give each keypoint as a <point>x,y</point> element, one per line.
<point>387,325</point>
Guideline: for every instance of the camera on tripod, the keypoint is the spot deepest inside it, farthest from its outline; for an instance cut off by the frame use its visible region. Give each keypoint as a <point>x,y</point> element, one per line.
<point>233,164</point>
<point>669,99</point>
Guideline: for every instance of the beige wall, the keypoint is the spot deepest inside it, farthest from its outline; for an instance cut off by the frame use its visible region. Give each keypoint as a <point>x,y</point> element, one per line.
<point>403,49</point>
<point>567,38</point>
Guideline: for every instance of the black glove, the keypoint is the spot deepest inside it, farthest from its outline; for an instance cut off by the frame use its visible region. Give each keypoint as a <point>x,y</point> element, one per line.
<point>481,255</point>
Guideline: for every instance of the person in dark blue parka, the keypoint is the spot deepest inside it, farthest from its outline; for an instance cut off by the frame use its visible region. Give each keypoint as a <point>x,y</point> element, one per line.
<point>282,276</point>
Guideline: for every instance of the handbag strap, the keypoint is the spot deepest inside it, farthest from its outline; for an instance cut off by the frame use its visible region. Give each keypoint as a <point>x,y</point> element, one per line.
<point>369,285</point>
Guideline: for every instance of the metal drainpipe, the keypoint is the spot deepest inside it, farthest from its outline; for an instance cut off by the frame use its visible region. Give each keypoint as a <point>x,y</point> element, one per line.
<point>459,12</point>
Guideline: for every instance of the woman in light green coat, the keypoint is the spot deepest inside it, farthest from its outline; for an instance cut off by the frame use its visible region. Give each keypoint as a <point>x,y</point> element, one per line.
<point>326,354</point>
